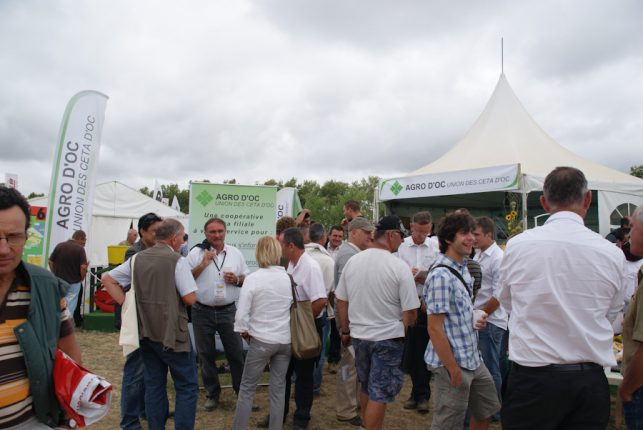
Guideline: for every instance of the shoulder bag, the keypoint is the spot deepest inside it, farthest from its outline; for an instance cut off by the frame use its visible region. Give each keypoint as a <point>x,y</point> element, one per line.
<point>305,340</point>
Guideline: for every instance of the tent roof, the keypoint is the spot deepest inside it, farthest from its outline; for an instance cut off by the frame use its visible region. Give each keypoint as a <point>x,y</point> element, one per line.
<point>114,199</point>
<point>506,134</point>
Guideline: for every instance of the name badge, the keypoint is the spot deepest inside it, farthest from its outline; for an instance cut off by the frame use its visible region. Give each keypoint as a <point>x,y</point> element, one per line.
<point>219,290</point>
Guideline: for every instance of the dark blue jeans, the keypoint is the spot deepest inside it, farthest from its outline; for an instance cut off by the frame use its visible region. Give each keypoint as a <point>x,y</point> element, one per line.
<point>182,367</point>
<point>633,411</point>
<point>132,392</point>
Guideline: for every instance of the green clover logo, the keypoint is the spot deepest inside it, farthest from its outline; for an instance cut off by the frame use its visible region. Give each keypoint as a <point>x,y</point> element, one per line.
<point>396,188</point>
<point>204,198</point>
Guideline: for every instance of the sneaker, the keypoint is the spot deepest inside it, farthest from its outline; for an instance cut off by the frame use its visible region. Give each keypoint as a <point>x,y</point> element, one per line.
<point>423,406</point>
<point>264,423</point>
<point>411,403</point>
<point>332,368</point>
<point>356,421</point>
<point>211,404</point>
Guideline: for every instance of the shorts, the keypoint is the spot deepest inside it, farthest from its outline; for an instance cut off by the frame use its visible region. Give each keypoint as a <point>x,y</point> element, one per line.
<point>379,369</point>
<point>476,392</point>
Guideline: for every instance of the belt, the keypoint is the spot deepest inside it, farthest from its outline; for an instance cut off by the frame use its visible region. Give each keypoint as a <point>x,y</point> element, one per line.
<point>216,308</point>
<point>574,367</point>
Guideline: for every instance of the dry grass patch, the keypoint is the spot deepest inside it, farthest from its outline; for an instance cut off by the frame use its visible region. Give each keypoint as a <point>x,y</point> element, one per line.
<point>103,356</point>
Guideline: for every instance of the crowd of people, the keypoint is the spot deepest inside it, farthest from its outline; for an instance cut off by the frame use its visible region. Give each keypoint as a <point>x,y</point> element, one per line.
<point>520,333</point>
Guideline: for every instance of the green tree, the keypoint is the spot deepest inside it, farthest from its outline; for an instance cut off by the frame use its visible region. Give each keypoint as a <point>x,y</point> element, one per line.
<point>33,195</point>
<point>146,191</point>
<point>183,196</point>
<point>637,171</point>
<point>292,183</point>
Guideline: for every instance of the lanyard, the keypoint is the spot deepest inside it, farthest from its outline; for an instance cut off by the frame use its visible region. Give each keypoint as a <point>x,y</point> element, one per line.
<point>214,260</point>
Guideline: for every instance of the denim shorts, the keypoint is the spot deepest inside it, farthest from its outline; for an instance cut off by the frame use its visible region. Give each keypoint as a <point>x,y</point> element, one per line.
<point>379,369</point>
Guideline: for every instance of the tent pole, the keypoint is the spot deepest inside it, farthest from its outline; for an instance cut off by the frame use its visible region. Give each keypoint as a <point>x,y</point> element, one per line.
<point>523,193</point>
<point>376,204</point>
<point>524,211</point>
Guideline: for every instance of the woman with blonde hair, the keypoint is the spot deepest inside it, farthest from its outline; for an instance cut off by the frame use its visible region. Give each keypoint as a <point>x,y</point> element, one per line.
<point>263,320</point>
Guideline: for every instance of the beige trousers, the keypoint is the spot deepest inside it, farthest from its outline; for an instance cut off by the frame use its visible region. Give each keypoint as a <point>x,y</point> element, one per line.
<point>347,387</point>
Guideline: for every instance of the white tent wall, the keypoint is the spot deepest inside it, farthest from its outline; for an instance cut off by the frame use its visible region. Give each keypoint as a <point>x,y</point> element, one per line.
<point>609,202</point>
<point>116,206</point>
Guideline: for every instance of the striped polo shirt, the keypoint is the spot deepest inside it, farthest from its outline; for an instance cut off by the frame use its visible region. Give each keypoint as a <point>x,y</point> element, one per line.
<point>15,398</point>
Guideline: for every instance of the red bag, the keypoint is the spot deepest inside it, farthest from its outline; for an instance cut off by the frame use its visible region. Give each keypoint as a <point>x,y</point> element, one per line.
<point>85,397</point>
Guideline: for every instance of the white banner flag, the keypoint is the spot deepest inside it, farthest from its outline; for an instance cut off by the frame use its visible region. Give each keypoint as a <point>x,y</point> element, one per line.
<point>175,204</point>
<point>158,193</point>
<point>288,203</point>
<point>74,170</point>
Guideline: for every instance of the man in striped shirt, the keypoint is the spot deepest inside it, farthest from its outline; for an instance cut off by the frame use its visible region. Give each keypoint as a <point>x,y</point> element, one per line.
<point>33,321</point>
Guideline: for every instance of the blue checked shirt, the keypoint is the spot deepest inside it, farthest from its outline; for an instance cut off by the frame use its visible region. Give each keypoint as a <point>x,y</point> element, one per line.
<point>444,294</point>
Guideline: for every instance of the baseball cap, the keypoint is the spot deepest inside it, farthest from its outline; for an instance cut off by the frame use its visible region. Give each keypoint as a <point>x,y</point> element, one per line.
<point>391,222</point>
<point>360,223</point>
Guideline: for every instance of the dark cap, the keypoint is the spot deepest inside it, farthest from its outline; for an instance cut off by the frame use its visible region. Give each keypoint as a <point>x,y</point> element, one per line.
<point>390,222</point>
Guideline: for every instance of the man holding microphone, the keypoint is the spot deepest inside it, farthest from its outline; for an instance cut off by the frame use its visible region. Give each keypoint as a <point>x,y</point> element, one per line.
<point>219,270</point>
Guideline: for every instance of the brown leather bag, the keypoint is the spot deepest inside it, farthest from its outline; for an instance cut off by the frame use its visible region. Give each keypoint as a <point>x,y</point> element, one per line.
<point>305,340</point>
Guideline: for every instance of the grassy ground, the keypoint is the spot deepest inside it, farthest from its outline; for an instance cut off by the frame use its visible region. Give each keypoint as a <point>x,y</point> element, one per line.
<point>103,356</point>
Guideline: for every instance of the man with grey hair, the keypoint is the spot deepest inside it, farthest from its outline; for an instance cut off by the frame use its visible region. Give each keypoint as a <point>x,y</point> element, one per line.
<point>163,285</point>
<point>360,237</point>
<point>563,286</point>
<point>631,389</point>
<point>314,246</point>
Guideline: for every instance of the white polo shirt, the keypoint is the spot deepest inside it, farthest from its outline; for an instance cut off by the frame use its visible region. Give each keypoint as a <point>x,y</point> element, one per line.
<point>563,285</point>
<point>327,266</point>
<point>421,256</point>
<point>309,279</point>
<point>230,257</point>
<point>489,261</point>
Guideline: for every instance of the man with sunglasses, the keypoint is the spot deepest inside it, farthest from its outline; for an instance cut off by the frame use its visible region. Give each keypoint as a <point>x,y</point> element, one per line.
<point>376,302</point>
<point>34,322</point>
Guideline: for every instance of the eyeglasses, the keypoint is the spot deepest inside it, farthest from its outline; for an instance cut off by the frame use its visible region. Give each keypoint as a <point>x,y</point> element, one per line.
<point>14,239</point>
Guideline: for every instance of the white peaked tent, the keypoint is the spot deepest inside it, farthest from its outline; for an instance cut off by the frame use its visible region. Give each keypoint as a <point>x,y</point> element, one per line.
<point>506,151</point>
<point>116,206</point>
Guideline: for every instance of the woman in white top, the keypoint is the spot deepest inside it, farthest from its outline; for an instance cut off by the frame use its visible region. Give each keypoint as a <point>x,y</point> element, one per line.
<point>263,320</point>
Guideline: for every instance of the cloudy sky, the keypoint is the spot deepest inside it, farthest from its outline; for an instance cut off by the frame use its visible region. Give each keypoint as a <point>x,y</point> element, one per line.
<point>319,90</point>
